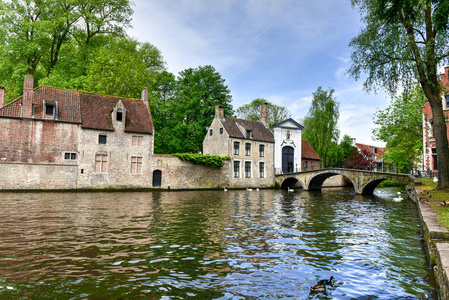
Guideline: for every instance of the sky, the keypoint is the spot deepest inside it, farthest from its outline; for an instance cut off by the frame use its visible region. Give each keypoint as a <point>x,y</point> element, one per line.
<point>280,50</point>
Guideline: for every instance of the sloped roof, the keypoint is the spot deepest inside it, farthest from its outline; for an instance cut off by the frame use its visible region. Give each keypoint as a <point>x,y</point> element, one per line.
<point>367,148</point>
<point>307,151</point>
<point>138,118</point>
<point>236,128</point>
<point>289,123</point>
<point>92,111</point>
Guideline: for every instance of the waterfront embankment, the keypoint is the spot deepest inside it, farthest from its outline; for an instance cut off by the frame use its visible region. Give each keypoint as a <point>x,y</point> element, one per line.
<point>436,236</point>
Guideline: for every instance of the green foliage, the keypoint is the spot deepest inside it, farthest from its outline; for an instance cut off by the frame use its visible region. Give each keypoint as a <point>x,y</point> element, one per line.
<point>36,35</point>
<point>320,124</point>
<point>252,112</point>
<point>400,126</point>
<point>201,159</point>
<point>184,107</point>
<point>403,43</point>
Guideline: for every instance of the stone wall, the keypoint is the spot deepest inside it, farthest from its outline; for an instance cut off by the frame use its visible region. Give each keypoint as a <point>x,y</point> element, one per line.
<point>19,176</point>
<point>178,174</point>
<point>119,151</point>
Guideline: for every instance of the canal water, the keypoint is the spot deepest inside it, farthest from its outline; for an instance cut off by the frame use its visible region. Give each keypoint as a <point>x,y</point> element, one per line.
<point>267,244</point>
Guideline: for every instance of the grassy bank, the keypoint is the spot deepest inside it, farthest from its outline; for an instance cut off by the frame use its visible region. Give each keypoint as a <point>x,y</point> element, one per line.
<point>437,197</point>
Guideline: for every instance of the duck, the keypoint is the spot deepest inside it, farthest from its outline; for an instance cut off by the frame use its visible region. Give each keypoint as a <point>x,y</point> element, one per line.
<point>249,190</point>
<point>257,189</point>
<point>321,285</point>
<point>225,189</point>
<point>290,190</point>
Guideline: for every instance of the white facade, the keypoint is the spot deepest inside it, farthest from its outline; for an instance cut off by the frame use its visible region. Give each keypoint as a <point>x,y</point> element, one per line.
<point>287,146</point>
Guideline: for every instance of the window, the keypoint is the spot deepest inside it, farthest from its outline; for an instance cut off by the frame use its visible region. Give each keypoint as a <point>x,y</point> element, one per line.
<point>211,132</point>
<point>305,165</point>
<point>119,115</point>
<point>136,165</point>
<point>137,140</point>
<point>262,170</point>
<point>236,148</point>
<point>247,169</point>
<point>49,109</point>
<point>221,130</point>
<point>261,150</point>
<point>236,169</point>
<point>101,139</point>
<point>249,134</point>
<point>101,162</point>
<point>247,149</point>
<point>447,101</point>
<point>70,155</point>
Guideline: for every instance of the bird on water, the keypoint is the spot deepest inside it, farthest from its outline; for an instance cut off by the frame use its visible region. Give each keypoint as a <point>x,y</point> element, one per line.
<point>321,285</point>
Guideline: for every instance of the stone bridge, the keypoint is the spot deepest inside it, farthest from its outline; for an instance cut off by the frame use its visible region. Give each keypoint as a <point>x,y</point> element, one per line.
<point>364,182</point>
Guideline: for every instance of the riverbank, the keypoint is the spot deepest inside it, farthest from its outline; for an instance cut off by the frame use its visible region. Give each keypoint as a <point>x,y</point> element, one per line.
<point>435,223</point>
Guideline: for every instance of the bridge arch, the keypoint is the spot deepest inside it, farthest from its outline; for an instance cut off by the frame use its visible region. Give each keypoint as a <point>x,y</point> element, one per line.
<point>316,182</point>
<point>289,182</point>
<point>369,187</point>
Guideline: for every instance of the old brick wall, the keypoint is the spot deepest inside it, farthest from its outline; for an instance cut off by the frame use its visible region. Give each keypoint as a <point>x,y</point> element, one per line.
<point>34,141</point>
<point>178,174</point>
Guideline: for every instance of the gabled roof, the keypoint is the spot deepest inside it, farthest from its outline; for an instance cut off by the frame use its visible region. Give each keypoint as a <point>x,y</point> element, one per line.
<point>92,111</point>
<point>367,148</point>
<point>236,128</point>
<point>289,123</point>
<point>307,151</point>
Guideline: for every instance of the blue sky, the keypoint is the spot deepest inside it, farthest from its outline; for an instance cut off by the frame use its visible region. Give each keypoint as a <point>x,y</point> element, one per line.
<point>280,50</point>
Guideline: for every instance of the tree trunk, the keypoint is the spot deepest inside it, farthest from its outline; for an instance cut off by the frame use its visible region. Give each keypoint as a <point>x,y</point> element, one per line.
<point>441,140</point>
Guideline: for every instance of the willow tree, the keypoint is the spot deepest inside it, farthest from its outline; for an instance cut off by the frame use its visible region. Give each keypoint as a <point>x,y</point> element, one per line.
<point>320,124</point>
<point>404,42</point>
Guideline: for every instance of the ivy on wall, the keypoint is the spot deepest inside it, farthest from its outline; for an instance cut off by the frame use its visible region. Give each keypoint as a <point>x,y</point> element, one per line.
<point>203,159</point>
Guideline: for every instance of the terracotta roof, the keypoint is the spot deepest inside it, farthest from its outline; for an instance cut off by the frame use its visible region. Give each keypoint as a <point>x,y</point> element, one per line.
<point>138,118</point>
<point>236,128</point>
<point>307,151</point>
<point>367,148</point>
<point>91,110</point>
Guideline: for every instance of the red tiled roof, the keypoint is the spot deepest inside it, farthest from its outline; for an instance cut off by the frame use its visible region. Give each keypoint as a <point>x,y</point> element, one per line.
<point>367,148</point>
<point>93,111</point>
<point>236,128</point>
<point>307,151</point>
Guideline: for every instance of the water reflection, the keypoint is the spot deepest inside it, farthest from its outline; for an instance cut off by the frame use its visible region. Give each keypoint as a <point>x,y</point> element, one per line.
<point>211,245</point>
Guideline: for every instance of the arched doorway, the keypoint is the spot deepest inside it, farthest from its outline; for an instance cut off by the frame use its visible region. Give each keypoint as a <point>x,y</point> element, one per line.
<point>157,178</point>
<point>288,156</point>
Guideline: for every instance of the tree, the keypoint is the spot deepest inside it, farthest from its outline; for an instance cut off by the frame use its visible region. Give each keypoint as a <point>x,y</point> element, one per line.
<point>400,126</point>
<point>36,34</point>
<point>404,42</point>
<point>320,124</point>
<point>358,160</point>
<point>252,111</point>
<point>123,67</point>
<point>190,108</point>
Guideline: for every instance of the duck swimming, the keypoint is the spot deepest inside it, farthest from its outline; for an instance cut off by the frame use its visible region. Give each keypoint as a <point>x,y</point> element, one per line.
<point>321,285</point>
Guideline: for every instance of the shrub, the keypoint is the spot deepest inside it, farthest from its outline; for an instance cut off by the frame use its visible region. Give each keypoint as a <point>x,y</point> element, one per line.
<point>203,159</point>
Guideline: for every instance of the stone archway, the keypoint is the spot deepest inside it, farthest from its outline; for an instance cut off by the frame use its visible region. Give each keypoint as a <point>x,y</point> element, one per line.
<point>369,187</point>
<point>316,182</point>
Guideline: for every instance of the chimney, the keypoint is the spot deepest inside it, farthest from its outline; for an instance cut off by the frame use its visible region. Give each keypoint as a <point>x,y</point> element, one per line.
<point>145,98</point>
<point>264,115</point>
<point>2,97</point>
<point>28,95</point>
<point>219,112</point>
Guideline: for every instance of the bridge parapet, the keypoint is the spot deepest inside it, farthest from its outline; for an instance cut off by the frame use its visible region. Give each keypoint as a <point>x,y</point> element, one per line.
<point>364,182</point>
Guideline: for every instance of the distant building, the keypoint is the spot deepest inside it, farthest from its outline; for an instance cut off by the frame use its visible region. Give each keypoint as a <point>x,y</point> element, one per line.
<point>54,138</point>
<point>372,153</point>
<point>430,158</point>
<point>309,158</point>
<point>250,145</point>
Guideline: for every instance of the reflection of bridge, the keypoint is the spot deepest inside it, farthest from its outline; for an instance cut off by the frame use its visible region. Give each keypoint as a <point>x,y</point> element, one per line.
<point>364,182</point>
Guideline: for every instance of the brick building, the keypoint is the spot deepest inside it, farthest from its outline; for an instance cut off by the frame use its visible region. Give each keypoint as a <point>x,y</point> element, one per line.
<point>430,161</point>
<point>373,154</point>
<point>54,138</point>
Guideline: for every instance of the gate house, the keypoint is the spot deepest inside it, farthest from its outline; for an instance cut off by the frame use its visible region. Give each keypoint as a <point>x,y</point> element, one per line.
<point>287,148</point>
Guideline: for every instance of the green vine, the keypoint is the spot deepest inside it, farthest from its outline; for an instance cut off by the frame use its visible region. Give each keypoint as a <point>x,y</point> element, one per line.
<point>203,159</point>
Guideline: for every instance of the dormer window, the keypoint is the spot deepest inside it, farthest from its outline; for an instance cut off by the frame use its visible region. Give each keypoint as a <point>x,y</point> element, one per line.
<point>119,115</point>
<point>49,109</point>
<point>249,134</point>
